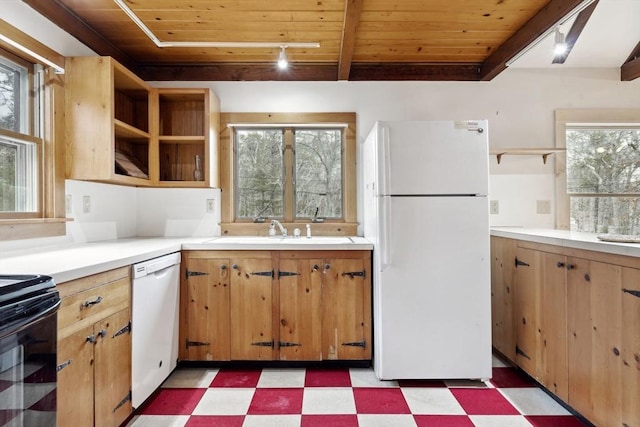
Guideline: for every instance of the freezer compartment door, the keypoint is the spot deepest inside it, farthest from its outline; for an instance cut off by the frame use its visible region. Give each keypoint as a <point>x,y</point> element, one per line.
<point>432,289</point>
<point>441,157</point>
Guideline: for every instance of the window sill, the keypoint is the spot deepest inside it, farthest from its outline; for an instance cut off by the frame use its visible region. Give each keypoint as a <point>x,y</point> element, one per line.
<point>14,229</point>
<point>262,229</point>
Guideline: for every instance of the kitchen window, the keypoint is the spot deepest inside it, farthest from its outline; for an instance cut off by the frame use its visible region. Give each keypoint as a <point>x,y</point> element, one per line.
<point>297,168</point>
<point>31,121</point>
<point>602,179</point>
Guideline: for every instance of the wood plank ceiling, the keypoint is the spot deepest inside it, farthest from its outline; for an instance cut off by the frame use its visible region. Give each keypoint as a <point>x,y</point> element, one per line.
<point>359,39</point>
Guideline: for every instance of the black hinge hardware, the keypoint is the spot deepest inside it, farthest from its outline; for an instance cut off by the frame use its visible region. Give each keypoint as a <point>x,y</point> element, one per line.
<point>362,344</point>
<point>263,343</point>
<point>288,344</point>
<point>287,273</point>
<point>195,344</point>
<point>522,353</point>
<point>263,273</point>
<point>522,263</point>
<point>353,274</point>
<point>188,273</point>
<point>632,292</point>
<point>63,365</point>
<point>123,401</point>
<point>126,328</point>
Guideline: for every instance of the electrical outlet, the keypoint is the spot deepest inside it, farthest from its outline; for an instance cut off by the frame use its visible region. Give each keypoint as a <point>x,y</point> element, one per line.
<point>494,207</point>
<point>543,206</point>
<point>211,205</point>
<point>86,204</point>
<point>68,207</point>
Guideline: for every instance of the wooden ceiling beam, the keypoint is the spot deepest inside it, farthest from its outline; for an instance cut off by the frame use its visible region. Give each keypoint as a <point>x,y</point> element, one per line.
<point>66,19</point>
<point>548,17</point>
<point>630,70</point>
<point>426,72</point>
<point>575,31</point>
<point>237,72</point>
<point>352,9</point>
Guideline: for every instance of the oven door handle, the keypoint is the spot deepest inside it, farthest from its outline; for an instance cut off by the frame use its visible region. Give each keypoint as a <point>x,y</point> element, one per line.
<point>27,322</point>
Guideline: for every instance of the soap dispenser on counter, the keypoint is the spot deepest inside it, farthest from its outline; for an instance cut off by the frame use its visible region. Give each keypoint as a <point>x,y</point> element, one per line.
<point>308,231</point>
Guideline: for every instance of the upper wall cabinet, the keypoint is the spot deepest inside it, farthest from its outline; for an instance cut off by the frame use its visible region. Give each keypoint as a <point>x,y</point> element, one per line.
<point>123,131</point>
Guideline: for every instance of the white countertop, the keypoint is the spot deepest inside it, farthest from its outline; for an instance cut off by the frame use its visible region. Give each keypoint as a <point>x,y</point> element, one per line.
<point>72,261</point>
<point>338,243</point>
<point>568,239</point>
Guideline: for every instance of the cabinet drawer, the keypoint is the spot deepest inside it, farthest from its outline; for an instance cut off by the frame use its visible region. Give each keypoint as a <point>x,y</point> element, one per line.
<point>87,307</point>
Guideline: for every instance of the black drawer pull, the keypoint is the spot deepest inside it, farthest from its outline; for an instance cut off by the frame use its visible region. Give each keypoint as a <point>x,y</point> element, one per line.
<point>94,302</point>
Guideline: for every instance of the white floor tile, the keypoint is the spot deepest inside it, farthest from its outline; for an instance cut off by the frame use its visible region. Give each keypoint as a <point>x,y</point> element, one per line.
<point>327,400</point>
<point>386,420</point>
<point>499,421</point>
<point>190,378</point>
<point>282,378</point>
<point>425,401</point>
<point>272,421</point>
<point>225,401</point>
<point>365,377</point>
<point>497,362</point>
<point>158,421</point>
<point>533,401</point>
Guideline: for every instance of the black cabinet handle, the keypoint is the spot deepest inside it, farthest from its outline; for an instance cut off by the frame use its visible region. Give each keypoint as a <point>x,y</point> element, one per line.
<point>90,303</point>
<point>570,266</point>
<point>560,264</point>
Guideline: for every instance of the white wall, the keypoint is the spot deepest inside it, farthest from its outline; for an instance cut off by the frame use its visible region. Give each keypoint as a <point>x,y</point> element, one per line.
<point>519,104</point>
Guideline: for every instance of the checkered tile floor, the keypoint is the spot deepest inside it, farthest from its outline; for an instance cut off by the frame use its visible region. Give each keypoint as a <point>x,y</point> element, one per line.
<point>344,398</point>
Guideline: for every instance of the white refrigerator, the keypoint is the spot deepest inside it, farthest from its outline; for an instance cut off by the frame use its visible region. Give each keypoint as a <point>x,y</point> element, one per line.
<point>426,211</point>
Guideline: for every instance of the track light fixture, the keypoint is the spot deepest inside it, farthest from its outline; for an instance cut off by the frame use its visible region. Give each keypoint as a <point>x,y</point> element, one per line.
<point>560,45</point>
<point>282,58</point>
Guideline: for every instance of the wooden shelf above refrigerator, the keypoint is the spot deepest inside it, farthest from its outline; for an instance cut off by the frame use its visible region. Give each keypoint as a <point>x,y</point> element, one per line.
<point>544,152</point>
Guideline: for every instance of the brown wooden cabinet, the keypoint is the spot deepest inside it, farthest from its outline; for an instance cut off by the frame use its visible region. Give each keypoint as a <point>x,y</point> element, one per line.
<point>577,316</point>
<point>123,131</point>
<point>503,296</point>
<point>280,305</point>
<point>94,350</point>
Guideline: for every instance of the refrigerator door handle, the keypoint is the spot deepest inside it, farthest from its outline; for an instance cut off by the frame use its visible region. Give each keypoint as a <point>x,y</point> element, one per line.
<point>385,233</point>
<point>385,163</point>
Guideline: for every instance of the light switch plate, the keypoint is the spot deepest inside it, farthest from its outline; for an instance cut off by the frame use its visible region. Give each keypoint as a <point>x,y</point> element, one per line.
<point>494,207</point>
<point>543,206</point>
<point>68,207</point>
<point>86,204</point>
<point>211,205</point>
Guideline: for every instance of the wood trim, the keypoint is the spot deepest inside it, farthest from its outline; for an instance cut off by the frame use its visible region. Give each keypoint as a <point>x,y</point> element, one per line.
<point>630,70</point>
<point>237,72</point>
<point>31,229</point>
<point>575,31</point>
<point>262,229</point>
<point>63,17</point>
<point>546,18</point>
<point>426,72</point>
<point>30,43</point>
<point>352,9</point>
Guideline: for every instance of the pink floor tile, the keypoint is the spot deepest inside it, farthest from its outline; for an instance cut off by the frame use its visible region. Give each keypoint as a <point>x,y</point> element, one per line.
<point>554,421</point>
<point>510,378</point>
<point>173,401</point>
<point>329,421</point>
<point>271,401</point>
<point>47,403</point>
<point>483,402</point>
<point>327,378</point>
<point>236,378</point>
<point>380,401</point>
<point>443,421</point>
<point>215,420</point>
<point>4,384</point>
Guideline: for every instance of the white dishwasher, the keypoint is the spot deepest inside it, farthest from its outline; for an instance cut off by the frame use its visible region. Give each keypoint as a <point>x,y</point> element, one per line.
<point>154,329</point>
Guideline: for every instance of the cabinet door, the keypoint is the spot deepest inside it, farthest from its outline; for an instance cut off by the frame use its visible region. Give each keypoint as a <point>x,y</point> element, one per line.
<point>75,379</point>
<point>502,296</point>
<point>345,302</point>
<point>205,310</point>
<point>630,347</point>
<point>113,370</point>
<point>594,306</point>
<point>527,296</point>
<point>553,324</point>
<point>300,310</point>
<point>252,335</point>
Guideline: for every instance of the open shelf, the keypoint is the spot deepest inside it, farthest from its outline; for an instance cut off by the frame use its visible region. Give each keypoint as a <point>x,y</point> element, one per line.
<point>543,152</point>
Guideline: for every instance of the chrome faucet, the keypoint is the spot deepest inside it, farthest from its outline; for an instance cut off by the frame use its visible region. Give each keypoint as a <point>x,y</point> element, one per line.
<point>272,228</point>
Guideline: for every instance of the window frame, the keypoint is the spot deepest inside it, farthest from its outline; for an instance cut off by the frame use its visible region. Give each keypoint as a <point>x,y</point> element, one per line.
<point>230,225</point>
<point>49,220</point>
<point>564,119</point>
